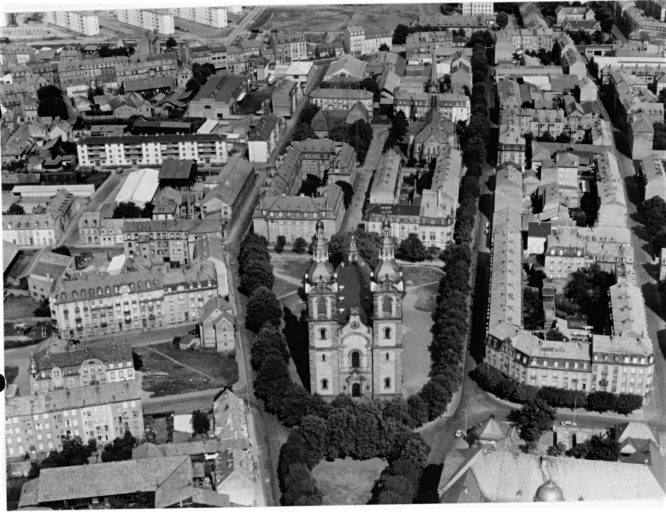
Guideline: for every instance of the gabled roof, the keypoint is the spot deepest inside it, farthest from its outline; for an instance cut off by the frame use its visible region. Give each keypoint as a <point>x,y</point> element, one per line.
<point>348,64</point>
<point>172,169</point>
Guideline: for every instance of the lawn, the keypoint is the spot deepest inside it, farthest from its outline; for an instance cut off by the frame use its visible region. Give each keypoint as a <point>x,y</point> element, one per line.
<point>295,268</point>
<point>416,276</point>
<point>11,372</point>
<point>19,307</point>
<point>426,297</point>
<point>347,481</point>
<point>282,287</point>
<point>164,377</point>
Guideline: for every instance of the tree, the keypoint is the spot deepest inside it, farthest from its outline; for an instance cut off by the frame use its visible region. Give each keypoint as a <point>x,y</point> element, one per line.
<point>502,20</point>
<point>396,490</point>
<point>399,127</point>
<point>51,103</point>
<point>534,418</point>
<point>62,249</point>
<point>315,436</point>
<point>193,85</point>
<point>280,243</point>
<point>73,453</point>
<point>659,136</point>
<point>347,192</point>
<point>597,447</point>
<point>269,342</point>
<point>258,272</point>
<point>593,67</point>
<point>601,401</point>
<point>300,488</point>
<point>303,132</point>
<point>44,309</point>
<point>300,245</point>
<point>418,410</point>
<point>307,113</point>
<point>627,403</point>
<point>15,209</point>
<point>171,43</point>
<point>371,85</point>
<point>137,360</point>
<point>120,448</point>
<point>533,315</point>
<point>272,383</point>
<point>400,34</point>
<point>262,308</point>
<point>200,423</point>
<point>384,47</point>
<point>127,210</point>
<point>436,398</point>
<point>367,243</point>
<point>599,37</point>
<point>412,249</point>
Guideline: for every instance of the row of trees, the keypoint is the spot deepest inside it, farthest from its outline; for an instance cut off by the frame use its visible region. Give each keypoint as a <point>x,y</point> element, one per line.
<point>397,132</point>
<point>495,382</point>
<point>254,264</point>
<point>200,75</point>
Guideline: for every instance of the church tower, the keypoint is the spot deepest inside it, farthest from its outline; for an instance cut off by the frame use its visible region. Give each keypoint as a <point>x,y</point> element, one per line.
<point>321,288</point>
<point>355,322</point>
<point>387,295</point>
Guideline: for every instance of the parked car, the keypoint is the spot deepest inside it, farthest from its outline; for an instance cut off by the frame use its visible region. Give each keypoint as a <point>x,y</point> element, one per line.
<point>460,434</point>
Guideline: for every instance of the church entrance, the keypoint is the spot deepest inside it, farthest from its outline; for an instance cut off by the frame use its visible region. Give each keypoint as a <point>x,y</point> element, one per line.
<point>356,390</point>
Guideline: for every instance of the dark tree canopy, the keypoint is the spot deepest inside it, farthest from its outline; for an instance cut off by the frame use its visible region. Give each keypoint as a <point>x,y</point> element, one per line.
<point>73,453</point>
<point>307,113</point>
<point>127,210</point>
<point>120,448</point>
<point>269,342</point>
<point>262,308</point>
<point>51,103</point>
<point>62,249</point>
<point>200,422</point>
<point>15,209</point>
<point>412,249</point>
<point>368,245</point>
<point>535,418</point>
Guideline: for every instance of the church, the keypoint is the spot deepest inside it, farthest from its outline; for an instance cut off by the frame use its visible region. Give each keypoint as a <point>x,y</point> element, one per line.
<point>355,322</point>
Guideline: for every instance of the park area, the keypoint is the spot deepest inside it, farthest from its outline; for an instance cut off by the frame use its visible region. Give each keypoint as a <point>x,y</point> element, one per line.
<point>347,481</point>
<point>167,370</point>
<point>326,18</point>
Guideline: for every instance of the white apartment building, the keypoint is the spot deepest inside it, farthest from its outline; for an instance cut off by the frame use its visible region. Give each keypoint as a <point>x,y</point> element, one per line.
<point>152,149</point>
<point>148,20</point>
<point>211,16</point>
<point>474,8</point>
<point>85,23</point>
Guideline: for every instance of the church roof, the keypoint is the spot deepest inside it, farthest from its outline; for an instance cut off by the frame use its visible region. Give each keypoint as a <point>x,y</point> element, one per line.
<point>354,291</point>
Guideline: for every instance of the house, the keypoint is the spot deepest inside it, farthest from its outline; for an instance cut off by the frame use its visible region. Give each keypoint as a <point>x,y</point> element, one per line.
<point>288,47</point>
<point>264,138</point>
<point>230,416</point>
<point>300,72</point>
<point>433,137</point>
<point>641,135</point>
<point>537,235</point>
<point>386,179</point>
<point>217,328</point>
<point>587,90</point>
<point>653,174</point>
<point>235,184</point>
<point>183,75</point>
<point>347,68</point>
<point>150,86</point>
<point>45,271</point>
<point>219,97</point>
<point>285,98</point>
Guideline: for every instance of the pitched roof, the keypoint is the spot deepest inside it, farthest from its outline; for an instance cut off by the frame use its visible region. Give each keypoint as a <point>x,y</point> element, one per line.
<point>50,357</point>
<point>222,88</point>
<point>231,180</point>
<point>110,478</point>
<point>172,169</point>
<point>348,64</point>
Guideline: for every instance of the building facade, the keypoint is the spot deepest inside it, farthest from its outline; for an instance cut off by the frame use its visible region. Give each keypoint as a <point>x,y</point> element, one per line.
<point>148,20</point>
<point>151,149</point>
<point>355,323</point>
<point>85,23</point>
<point>96,305</point>
<point>211,16</point>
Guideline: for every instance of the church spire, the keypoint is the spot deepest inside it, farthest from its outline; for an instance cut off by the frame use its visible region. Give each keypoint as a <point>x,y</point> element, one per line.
<point>353,250</point>
<point>388,246</point>
<point>321,247</point>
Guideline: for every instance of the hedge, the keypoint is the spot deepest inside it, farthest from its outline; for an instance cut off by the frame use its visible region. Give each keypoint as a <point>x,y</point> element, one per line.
<point>495,382</point>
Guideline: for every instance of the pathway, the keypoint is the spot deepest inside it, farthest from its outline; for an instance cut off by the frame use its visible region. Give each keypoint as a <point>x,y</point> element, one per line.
<point>185,365</point>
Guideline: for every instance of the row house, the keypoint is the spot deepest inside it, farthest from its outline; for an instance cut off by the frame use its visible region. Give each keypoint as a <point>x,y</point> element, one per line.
<point>160,65</point>
<point>95,305</point>
<point>285,98</point>
<point>415,105</point>
<point>297,216</point>
<point>38,425</point>
<point>15,54</point>
<point>45,225</point>
<point>409,219</point>
<point>99,229</point>
<point>342,99</point>
<point>429,41</point>
<point>509,41</point>
<point>386,180</point>
<point>122,150</point>
<point>89,69</point>
<point>288,47</point>
<point>573,13</point>
<point>454,107</point>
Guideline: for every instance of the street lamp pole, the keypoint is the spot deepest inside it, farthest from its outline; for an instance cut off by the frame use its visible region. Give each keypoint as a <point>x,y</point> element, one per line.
<point>465,411</point>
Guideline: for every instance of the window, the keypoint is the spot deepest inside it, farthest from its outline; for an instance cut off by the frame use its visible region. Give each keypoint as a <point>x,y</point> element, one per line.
<point>387,305</point>
<point>324,384</point>
<point>323,357</point>
<point>321,308</point>
<point>388,356</point>
<point>356,359</point>
<point>387,383</point>
<point>322,334</point>
<point>387,333</point>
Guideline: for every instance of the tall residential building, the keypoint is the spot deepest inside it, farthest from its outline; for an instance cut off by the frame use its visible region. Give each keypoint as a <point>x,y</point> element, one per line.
<point>97,305</point>
<point>37,424</point>
<point>474,8</point>
<point>212,16</point>
<point>148,20</point>
<point>355,322</point>
<point>85,23</point>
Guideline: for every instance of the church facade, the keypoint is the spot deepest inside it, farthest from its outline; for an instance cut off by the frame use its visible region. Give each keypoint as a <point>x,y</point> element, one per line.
<point>355,322</point>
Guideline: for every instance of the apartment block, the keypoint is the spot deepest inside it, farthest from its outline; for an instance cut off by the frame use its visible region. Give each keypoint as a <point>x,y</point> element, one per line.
<point>152,149</point>
<point>38,424</point>
<point>85,23</point>
<point>288,47</point>
<point>97,305</point>
<point>147,20</point>
<point>211,16</point>
<point>474,8</point>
